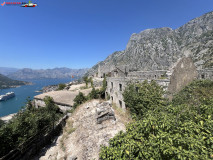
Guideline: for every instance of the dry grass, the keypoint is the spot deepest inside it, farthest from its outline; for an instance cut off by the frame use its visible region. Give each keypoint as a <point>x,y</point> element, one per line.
<point>68,129</point>
<point>124,115</point>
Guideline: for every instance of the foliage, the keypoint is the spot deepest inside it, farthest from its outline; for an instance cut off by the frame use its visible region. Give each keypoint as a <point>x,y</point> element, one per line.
<point>91,81</point>
<point>1,123</point>
<point>141,97</point>
<point>174,131</point>
<point>86,80</point>
<point>79,99</point>
<point>61,86</point>
<point>103,88</point>
<point>94,94</point>
<point>26,124</point>
<point>196,93</point>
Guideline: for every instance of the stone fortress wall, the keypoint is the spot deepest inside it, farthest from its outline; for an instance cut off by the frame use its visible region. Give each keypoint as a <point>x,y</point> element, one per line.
<point>173,80</point>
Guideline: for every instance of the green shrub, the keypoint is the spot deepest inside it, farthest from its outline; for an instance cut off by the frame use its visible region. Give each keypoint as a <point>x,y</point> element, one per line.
<point>26,124</point>
<point>1,123</point>
<point>86,80</point>
<point>180,130</point>
<point>94,94</point>
<point>61,86</point>
<point>141,97</point>
<point>103,88</point>
<point>79,99</point>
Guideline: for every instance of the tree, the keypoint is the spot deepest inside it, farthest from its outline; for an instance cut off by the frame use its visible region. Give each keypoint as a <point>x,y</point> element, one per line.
<point>79,99</point>
<point>103,89</point>
<point>141,97</point>
<point>52,108</point>
<point>178,130</point>
<point>91,81</point>
<point>1,123</point>
<point>93,94</point>
<point>86,80</point>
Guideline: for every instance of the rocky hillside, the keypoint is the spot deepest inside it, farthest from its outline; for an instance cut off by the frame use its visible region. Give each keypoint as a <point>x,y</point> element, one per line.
<point>91,125</point>
<point>6,82</point>
<point>27,73</point>
<point>156,49</point>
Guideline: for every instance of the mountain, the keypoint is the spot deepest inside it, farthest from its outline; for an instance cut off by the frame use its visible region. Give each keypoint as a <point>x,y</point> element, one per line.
<point>159,49</point>
<point>6,82</point>
<point>27,73</point>
<point>5,70</point>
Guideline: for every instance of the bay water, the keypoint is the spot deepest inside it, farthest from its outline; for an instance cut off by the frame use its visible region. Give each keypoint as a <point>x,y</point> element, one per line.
<point>14,104</point>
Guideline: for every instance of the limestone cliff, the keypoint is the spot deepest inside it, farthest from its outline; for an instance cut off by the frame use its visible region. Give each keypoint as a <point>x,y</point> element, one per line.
<point>158,49</point>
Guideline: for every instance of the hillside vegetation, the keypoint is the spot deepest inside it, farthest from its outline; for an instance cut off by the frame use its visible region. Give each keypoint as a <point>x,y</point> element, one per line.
<point>181,129</point>
<point>28,123</point>
<point>6,82</point>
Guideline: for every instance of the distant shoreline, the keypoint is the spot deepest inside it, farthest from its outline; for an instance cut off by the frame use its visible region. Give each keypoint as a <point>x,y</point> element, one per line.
<point>16,86</point>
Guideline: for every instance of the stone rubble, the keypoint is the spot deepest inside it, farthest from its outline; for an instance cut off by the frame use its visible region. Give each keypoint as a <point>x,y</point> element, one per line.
<point>94,123</point>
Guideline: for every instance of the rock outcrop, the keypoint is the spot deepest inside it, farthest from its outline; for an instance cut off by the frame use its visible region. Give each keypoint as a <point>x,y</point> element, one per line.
<point>159,49</point>
<point>91,125</point>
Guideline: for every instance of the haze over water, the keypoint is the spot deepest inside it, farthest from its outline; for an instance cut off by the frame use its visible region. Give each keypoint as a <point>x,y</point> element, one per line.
<point>13,105</point>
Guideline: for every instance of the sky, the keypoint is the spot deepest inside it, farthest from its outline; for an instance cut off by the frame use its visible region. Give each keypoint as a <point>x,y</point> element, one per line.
<point>80,33</point>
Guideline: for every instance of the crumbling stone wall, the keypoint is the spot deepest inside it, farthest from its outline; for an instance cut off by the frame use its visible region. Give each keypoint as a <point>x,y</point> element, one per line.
<point>158,74</point>
<point>63,107</point>
<point>183,73</point>
<point>180,74</point>
<point>116,86</point>
<point>205,74</point>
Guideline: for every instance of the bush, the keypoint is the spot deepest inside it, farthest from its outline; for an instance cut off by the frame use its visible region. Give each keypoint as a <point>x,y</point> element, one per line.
<point>79,99</point>
<point>61,86</point>
<point>141,97</point>
<point>94,94</point>
<point>103,89</point>
<point>174,131</point>
<point>86,80</point>
<point>1,123</point>
<point>27,123</point>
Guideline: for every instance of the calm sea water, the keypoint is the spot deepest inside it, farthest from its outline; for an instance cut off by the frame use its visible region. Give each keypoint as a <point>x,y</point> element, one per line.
<point>14,104</point>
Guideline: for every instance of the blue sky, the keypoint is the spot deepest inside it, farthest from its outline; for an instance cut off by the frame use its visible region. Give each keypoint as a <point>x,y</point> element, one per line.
<point>79,33</point>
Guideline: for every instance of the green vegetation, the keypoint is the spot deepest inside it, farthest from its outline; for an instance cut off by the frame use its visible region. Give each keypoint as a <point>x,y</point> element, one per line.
<point>94,94</point>
<point>103,88</point>
<point>6,82</point>
<point>79,99</point>
<point>1,123</point>
<point>181,129</point>
<point>28,123</point>
<point>86,80</point>
<point>61,86</point>
<point>141,97</point>
<point>91,81</point>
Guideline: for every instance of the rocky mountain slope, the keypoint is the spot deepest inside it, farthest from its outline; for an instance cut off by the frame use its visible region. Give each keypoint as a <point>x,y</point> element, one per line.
<point>6,82</point>
<point>27,73</point>
<point>158,49</point>
<point>91,125</point>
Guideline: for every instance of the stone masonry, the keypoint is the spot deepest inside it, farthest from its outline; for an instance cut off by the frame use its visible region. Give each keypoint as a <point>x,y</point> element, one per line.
<point>172,80</point>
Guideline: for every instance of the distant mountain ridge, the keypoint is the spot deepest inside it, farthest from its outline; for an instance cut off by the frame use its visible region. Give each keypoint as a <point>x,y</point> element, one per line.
<point>7,70</point>
<point>6,82</point>
<point>159,49</point>
<point>28,73</point>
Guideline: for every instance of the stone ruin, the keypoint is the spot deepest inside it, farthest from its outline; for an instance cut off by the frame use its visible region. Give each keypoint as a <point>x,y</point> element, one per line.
<point>172,80</point>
